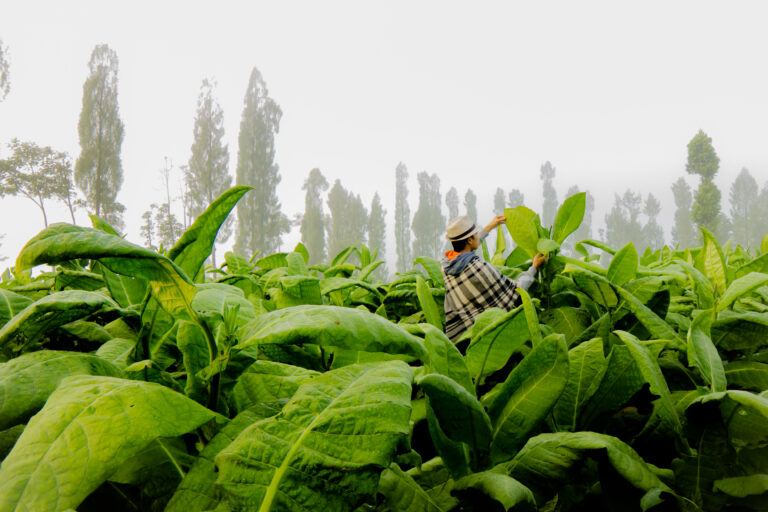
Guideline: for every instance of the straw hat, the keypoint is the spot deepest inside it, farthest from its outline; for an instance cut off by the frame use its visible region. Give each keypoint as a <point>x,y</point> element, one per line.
<point>460,228</point>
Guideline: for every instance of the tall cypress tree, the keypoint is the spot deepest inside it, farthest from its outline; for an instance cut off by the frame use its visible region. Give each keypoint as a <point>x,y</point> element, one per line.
<point>348,223</point>
<point>452,202</point>
<point>703,161</point>
<point>402,219</point>
<point>99,170</point>
<point>745,224</point>
<point>515,198</point>
<point>260,222</point>
<point>653,233</point>
<point>313,223</point>
<point>207,174</point>
<point>470,205</point>
<point>377,233</point>
<point>622,224</point>
<point>549,206</point>
<point>682,233</point>
<point>5,75</point>
<point>428,221</point>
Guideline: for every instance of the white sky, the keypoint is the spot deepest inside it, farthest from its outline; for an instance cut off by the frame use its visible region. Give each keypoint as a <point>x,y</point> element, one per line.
<point>481,93</point>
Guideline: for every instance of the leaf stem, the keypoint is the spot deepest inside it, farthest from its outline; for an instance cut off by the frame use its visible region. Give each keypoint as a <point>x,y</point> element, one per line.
<point>173,459</point>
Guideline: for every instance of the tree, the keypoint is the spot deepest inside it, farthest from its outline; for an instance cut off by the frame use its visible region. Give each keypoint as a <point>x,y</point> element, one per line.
<point>682,233</point>
<point>207,174</point>
<point>348,223</point>
<point>622,224</point>
<point>148,228</point>
<point>703,161</point>
<point>377,233</point>
<point>35,173</point>
<point>452,202</point>
<point>312,222</point>
<point>745,224</point>
<point>653,234</point>
<point>99,170</point>
<point>515,198</point>
<point>402,219</point>
<point>260,222</point>
<point>5,75</point>
<point>470,205</point>
<point>428,221</point>
<point>549,207</point>
<point>161,226</point>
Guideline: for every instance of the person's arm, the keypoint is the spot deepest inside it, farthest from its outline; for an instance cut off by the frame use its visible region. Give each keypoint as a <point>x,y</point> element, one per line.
<point>526,279</point>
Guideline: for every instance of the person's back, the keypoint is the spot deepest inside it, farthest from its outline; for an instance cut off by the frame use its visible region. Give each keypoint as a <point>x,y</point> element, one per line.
<point>473,285</point>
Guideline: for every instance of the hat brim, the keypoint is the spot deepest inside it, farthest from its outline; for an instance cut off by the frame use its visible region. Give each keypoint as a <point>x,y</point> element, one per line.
<point>463,236</point>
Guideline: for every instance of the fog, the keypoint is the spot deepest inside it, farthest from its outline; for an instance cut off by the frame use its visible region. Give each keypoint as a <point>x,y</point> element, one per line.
<point>481,94</point>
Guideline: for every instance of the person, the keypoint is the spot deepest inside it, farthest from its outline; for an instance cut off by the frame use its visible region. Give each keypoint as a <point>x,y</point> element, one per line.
<point>473,285</point>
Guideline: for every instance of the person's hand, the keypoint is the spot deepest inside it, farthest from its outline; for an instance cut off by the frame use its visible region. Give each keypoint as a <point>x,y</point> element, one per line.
<point>539,260</point>
<point>497,221</point>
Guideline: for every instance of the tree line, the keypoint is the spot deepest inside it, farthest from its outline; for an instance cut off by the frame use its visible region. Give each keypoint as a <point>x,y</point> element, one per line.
<point>42,174</point>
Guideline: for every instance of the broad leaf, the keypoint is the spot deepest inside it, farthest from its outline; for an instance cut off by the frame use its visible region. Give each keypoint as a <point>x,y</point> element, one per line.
<point>87,429</point>
<point>741,287</point>
<point>743,486</point>
<point>428,306</point>
<point>569,216</point>
<point>587,365</point>
<point>747,374</point>
<point>495,341</point>
<point>711,262</point>
<point>11,304</point>
<point>50,312</point>
<point>330,326</point>
<point>445,358</point>
<point>702,352</point>
<point>63,242</point>
<point>402,493</point>
<point>623,266</point>
<point>267,381</point>
<point>530,317</point>
<point>527,396</point>
<point>432,266</point>
<point>566,320</point>
<point>701,284</point>
<point>500,488</point>
<point>521,225</point>
<point>27,381</point>
<point>621,380</point>
<point>345,424</point>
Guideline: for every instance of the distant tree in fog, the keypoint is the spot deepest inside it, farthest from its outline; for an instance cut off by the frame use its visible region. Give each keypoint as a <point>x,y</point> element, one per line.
<point>470,205</point>
<point>622,224</point>
<point>515,198</point>
<point>704,162</point>
<point>313,220</point>
<point>402,219</point>
<point>5,74</point>
<point>207,174</point>
<point>428,221</point>
<point>682,233</point>
<point>452,202</point>
<point>260,221</point>
<point>653,234</point>
<point>377,234</point>
<point>348,222</point>
<point>99,169</point>
<point>746,222</point>
<point>549,207</point>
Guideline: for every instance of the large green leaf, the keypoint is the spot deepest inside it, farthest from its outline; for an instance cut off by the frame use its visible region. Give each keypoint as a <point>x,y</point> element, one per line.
<point>402,493</point>
<point>267,381</point>
<point>747,374</point>
<point>759,264</point>
<point>62,242</point>
<point>330,326</point>
<point>701,284</point>
<point>741,287</point>
<point>50,312</point>
<point>743,486</point>
<point>648,365</point>
<point>740,331</point>
<point>458,412</point>
<point>500,488</point>
<point>745,413</point>
<point>344,424</point>
<point>28,380</point>
<point>433,268</point>
<point>599,290</point>
<point>197,491</point>
<point>547,461</point>
<point>215,297</point>
<point>587,365</point>
<point>10,304</point>
<point>569,217</point>
<point>498,335</point>
<point>433,476</point>
<point>702,353</point>
<point>125,290</point>
<point>568,321</point>
<point>454,454</point>
<point>527,396</point>
<point>711,262</point>
<point>445,358</point>
<point>623,266</point>
<point>87,429</point>
<point>530,317</point>
<point>521,225</point>
<point>621,380</point>
<point>428,306</point>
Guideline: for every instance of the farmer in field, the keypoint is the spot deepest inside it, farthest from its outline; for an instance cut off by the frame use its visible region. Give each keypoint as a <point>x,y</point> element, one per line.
<point>473,285</point>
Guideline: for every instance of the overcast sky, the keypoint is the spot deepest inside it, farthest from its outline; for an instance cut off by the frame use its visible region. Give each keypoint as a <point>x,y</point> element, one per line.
<point>481,93</point>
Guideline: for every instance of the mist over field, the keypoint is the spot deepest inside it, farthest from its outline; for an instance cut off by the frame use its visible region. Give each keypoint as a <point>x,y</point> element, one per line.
<point>507,102</point>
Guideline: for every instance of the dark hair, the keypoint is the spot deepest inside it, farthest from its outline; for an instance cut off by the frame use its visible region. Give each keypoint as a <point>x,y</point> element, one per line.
<point>460,245</point>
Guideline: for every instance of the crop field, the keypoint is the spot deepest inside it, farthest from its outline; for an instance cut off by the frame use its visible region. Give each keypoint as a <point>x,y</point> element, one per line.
<point>134,380</point>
